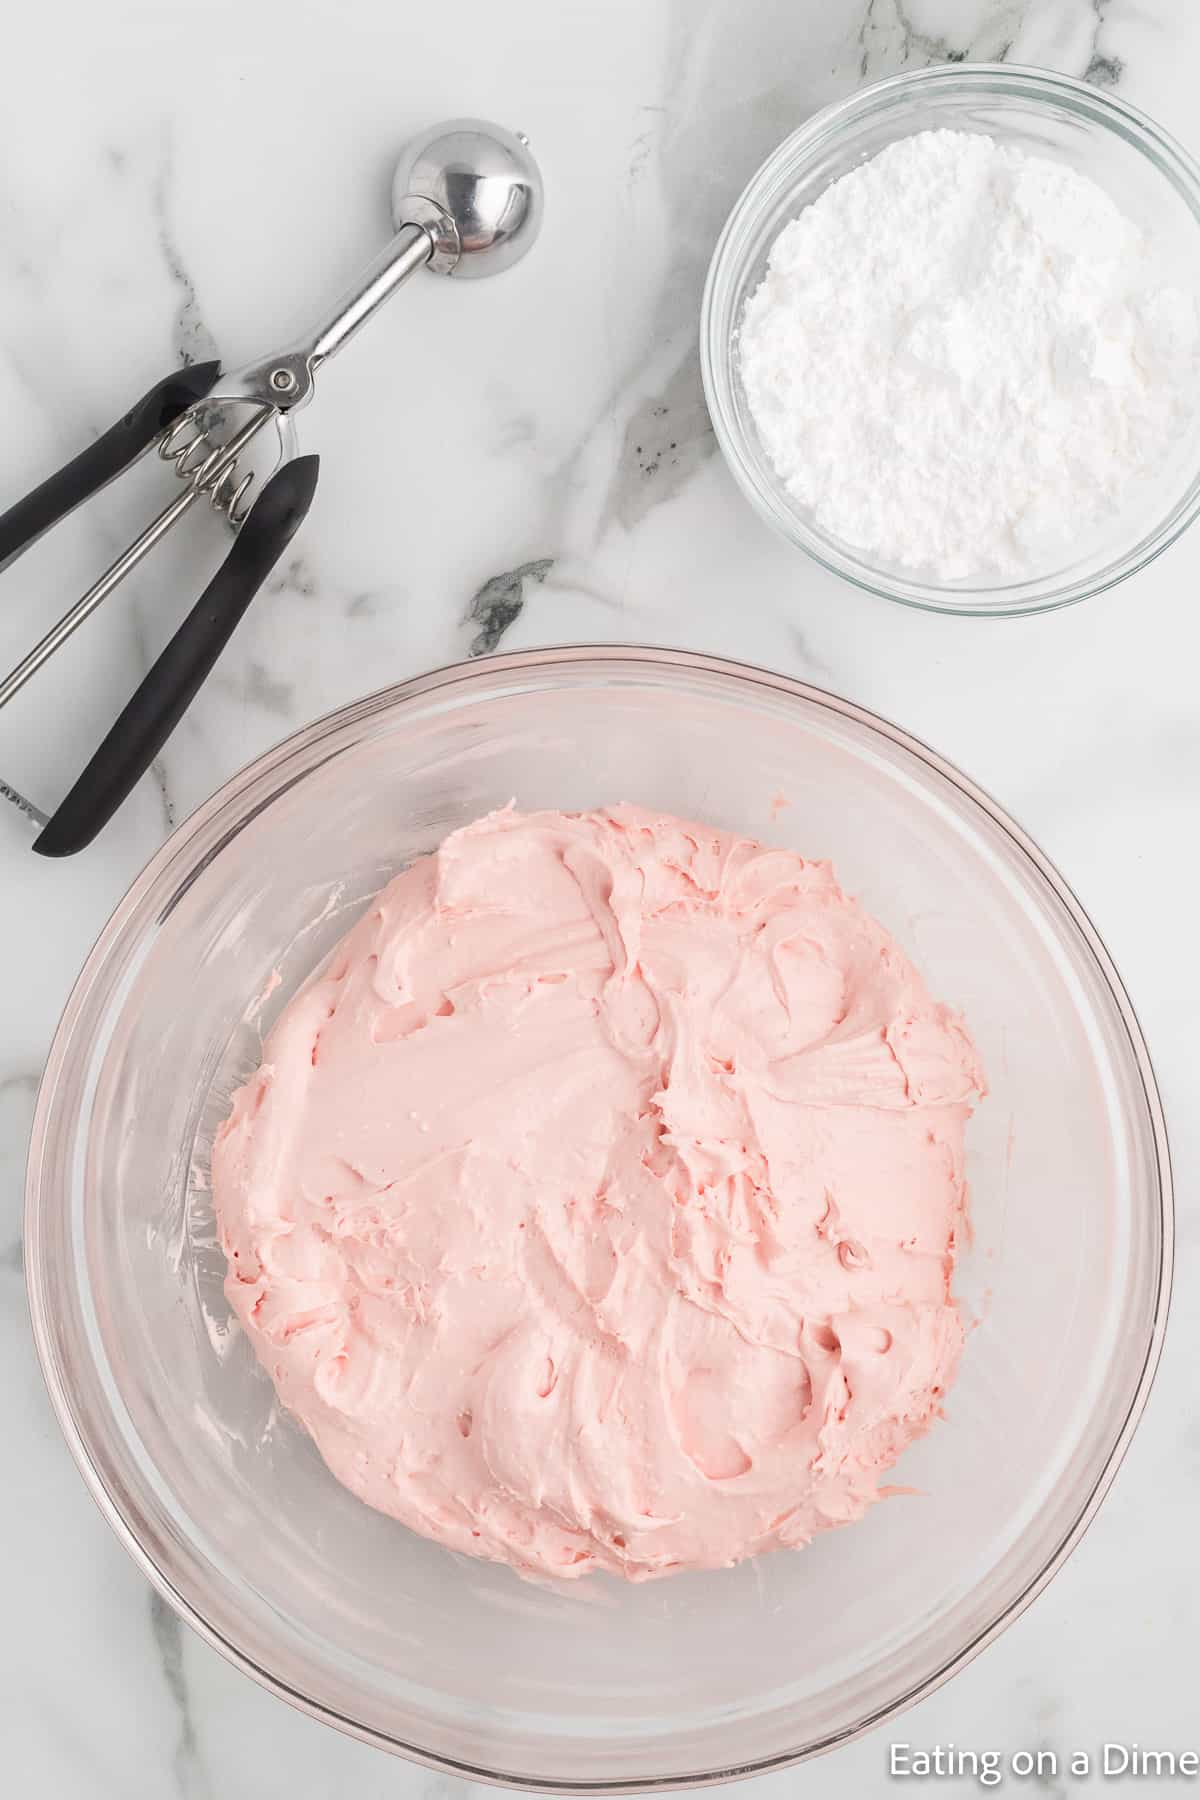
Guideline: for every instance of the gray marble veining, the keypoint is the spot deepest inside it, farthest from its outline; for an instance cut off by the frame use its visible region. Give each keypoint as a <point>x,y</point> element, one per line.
<point>190,336</point>
<point>500,603</point>
<point>16,1111</point>
<point>166,1629</point>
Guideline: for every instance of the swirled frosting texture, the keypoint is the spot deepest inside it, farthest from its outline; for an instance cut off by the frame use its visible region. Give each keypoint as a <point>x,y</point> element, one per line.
<point>596,1207</point>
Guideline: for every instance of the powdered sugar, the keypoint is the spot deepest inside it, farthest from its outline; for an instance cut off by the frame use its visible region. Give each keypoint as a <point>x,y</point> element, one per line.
<point>959,358</point>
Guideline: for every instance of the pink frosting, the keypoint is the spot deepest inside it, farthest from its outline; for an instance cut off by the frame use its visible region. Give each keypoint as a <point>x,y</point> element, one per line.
<point>596,1206</point>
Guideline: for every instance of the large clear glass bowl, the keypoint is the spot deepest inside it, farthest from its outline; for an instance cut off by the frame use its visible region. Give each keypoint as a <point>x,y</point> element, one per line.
<point>225,1503</point>
<point>1150,176</point>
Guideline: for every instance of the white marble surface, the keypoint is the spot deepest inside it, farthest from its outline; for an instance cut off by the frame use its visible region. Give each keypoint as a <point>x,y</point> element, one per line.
<point>173,180</point>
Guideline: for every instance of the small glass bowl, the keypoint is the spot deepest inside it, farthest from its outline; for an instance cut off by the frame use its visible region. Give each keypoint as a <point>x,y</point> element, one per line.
<point>1153,180</point>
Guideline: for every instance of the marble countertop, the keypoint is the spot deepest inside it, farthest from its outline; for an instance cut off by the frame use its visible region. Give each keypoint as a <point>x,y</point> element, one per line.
<point>517,464</point>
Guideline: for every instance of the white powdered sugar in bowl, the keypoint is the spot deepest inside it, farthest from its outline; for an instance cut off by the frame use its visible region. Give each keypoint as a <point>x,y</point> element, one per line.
<point>962,356</point>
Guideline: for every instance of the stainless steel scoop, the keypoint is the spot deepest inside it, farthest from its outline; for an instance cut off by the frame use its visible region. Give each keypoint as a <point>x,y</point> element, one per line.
<point>466,200</point>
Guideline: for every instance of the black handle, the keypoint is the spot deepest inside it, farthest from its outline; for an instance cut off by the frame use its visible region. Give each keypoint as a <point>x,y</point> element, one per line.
<point>113,451</point>
<point>169,688</point>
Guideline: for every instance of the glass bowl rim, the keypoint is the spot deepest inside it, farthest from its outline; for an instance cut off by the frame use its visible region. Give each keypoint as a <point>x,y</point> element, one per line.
<point>1112,113</point>
<point>138,908</point>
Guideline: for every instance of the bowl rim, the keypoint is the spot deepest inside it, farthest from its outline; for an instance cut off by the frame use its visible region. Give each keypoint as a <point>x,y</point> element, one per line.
<point>1112,113</point>
<point>82,1438</point>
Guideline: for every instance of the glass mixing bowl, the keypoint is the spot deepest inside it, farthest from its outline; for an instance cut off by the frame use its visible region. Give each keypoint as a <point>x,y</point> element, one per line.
<point>224,1501</point>
<point>1152,179</point>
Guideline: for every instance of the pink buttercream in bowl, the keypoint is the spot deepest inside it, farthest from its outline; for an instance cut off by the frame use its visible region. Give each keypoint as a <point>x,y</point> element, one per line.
<point>596,1205</point>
